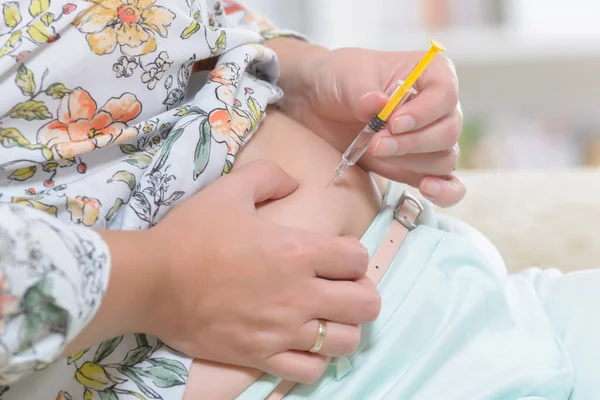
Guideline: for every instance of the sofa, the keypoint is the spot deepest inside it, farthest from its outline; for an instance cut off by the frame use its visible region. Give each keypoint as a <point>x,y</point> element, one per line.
<point>536,218</point>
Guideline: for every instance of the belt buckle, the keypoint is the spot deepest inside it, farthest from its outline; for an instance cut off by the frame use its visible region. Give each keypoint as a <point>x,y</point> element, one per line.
<point>403,219</point>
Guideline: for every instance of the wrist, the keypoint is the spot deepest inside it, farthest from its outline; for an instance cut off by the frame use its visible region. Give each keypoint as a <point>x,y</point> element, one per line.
<point>136,265</point>
<point>135,272</point>
<point>147,255</point>
<point>298,61</point>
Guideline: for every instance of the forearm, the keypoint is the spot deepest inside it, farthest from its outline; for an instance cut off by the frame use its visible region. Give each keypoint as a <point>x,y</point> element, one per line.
<point>137,266</point>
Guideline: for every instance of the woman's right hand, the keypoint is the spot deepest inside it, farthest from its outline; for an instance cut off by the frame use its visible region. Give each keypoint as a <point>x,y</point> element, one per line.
<point>245,291</point>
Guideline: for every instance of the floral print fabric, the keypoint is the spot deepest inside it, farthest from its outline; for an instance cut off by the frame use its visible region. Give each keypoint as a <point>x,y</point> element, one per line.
<point>98,130</point>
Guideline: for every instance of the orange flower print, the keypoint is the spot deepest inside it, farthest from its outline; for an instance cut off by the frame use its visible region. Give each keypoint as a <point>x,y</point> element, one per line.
<point>226,74</point>
<point>80,127</point>
<point>131,24</point>
<point>83,210</point>
<point>231,124</point>
<point>8,304</point>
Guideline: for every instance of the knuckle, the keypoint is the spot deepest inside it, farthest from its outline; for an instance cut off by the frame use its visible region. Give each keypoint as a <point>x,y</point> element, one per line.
<point>269,342</point>
<point>409,143</point>
<point>451,64</point>
<point>295,250</point>
<point>452,95</point>
<point>267,167</point>
<point>456,150</point>
<point>448,161</point>
<point>454,130</point>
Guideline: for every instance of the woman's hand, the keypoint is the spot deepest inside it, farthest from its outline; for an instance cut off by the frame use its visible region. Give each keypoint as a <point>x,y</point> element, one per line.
<point>336,93</point>
<point>244,291</point>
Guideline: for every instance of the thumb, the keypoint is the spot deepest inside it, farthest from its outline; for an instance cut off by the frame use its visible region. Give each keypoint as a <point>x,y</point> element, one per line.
<point>264,180</point>
<point>370,104</point>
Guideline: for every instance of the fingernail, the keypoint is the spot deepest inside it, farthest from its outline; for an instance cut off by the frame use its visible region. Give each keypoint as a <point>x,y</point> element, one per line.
<point>403,124</point>
<point>386,147</point>
<point>431,188</point>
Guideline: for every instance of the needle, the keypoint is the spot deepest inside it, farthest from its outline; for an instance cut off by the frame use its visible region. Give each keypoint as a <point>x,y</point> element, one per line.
<point>331,181</point>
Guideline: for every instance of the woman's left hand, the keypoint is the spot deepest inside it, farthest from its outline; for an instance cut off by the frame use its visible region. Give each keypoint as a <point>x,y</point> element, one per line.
<point>339,91</point>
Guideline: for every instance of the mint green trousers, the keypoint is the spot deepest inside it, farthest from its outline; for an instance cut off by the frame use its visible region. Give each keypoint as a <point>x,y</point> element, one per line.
<point>455,326</point>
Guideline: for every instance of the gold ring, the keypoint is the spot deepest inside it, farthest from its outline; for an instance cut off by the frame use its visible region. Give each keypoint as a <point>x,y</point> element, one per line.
<point>320,337</point>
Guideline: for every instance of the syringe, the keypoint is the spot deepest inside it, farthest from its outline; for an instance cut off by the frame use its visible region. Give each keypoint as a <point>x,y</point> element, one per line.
<point>399,97</point>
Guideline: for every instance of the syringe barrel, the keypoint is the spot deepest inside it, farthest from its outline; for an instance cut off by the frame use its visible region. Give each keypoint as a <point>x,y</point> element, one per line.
<point>359,145</point>
<point>362,141</point>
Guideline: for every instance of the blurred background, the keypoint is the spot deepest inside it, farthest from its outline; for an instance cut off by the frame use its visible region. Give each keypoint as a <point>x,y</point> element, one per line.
<point>528,69</point>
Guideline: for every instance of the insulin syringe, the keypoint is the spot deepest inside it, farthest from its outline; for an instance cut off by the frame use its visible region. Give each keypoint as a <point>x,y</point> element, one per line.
<point>399,97</point>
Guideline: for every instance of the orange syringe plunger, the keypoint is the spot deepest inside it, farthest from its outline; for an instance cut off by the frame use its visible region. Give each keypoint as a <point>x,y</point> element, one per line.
<point>410,81</point>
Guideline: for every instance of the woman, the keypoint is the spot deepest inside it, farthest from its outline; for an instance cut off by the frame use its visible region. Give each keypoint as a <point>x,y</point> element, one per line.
<point>96,132</point>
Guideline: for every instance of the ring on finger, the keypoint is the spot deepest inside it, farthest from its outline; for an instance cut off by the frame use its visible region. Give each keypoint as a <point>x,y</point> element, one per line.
<point>320,337</point>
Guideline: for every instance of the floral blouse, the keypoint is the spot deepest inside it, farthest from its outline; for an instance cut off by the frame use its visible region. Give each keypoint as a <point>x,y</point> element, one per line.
<point>100,128</point>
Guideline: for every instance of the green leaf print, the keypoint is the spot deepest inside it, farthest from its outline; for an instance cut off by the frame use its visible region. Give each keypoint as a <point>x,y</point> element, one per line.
<point>57,91</point>
<point>190,110</point>
<point>24,80</point>
<point>12,14</point>
<point>140,205</point>
<point>108,394</point>
<point>220,44</point>
<point>202,155</point>
<point>22,174</point>
<point>129,149</point>
<point>173,198</point>
<point>172,365</point>
<point>190,30</point>
<point>106,349</point>
<point>11,137</point>
<point>124,176</point>
<point>145,389</point>
<point>30,110</point>
<point>113,210</point>
<point>161,376</point>
<point>11,44</point>
<point>74,357</point>
<point>50,166</point>
<point>228,167</point>
<point>42,314</point>
<point>141,339</point>
<point>256,111</point>
<point>139,160</point>
<point>4,389</point>
<point>136,356</point>
<point>166,149</point>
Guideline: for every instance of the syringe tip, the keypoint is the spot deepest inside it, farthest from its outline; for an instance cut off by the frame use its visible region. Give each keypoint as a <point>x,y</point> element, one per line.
<point>331,181</point>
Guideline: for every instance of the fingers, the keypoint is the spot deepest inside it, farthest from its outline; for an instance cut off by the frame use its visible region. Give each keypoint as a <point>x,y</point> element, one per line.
<point>437,98</point>
<point>297,366</point>
<point>439,136</point>
<point>443,192</point>
<point>338,258</point>
<point>369,105</point>
<point>340,339</point>
<point>345,302</point>
<point>264,180</point>
<point>441,163</point>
